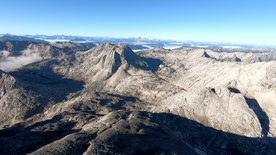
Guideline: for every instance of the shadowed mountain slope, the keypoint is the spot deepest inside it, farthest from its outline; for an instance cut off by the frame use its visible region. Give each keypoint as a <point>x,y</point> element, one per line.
<point>110,100</point>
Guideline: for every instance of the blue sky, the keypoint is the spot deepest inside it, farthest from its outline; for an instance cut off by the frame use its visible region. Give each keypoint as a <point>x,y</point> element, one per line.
<point>238,21</point>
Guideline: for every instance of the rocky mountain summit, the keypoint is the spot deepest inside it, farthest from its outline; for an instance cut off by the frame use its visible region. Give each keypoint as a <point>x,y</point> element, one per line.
<point>70,99</point>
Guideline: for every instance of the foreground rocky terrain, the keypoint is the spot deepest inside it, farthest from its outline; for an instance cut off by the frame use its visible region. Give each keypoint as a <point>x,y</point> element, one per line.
<point>68,98</point>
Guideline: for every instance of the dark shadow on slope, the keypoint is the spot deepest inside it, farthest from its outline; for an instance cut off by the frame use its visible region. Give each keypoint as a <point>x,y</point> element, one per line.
<point>238,59</point>
<point>143,133</point>
<point>117,64</point>
<point>1,72</point>
<point>26,140</point>
<point>234,90</point>
<point>153,64</point>
<point>255,106</point>
<point>115,102</point>
<point>125,98</point>
<point>42,80</point>
<point>163,133</point>
<point>213,90</point>
<point>206,55</point>
<point>39,80</point>
<point>217,141</point>
<point>263,118</point>
<point>141,62</point>
<point>14,130</point>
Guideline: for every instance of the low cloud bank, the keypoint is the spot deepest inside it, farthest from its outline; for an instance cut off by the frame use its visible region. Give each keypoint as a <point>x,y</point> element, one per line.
<point>9,63</point>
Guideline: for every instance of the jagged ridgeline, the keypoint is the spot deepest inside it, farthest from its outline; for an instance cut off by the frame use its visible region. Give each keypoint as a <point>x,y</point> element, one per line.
<point>79,98</point>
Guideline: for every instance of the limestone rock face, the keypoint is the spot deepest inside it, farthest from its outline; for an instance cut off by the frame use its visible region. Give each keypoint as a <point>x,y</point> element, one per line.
<point>230,85</point>
<point>217,110</point>
<point>109,99</point>
<point>16,103</point>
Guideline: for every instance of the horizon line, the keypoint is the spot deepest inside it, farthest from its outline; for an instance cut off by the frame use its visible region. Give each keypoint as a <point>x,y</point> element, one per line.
<point>154,38</point>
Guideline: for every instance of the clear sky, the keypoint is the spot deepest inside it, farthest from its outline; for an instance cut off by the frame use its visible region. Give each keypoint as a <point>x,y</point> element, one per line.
<point>239,21</point>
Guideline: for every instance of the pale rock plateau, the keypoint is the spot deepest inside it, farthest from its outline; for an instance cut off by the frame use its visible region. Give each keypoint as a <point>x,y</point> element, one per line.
<point>81,99</point>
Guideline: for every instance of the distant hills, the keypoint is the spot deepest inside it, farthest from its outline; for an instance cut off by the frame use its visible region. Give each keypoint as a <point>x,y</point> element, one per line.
<point>134,43</point>
<point>21,38</point>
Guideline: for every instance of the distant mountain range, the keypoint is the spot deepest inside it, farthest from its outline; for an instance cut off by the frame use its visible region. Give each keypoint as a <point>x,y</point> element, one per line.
<point>134,43</point>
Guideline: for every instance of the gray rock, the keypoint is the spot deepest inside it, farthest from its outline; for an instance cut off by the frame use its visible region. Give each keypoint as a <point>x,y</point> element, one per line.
<point>109,99</point>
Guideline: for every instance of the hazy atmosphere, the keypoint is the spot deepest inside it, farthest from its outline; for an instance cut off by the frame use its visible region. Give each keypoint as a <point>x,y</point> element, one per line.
<point>247,21</point>
<point>127,77</point>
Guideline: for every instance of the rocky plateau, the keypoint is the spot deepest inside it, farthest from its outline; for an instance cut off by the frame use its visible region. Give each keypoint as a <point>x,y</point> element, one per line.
<point>79,98</point>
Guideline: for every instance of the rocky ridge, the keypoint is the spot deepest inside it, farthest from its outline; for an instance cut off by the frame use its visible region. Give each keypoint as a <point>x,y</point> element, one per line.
<point>111,100</point>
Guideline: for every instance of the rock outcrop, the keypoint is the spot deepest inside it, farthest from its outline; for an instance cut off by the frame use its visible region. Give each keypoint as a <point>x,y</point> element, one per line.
<point>109,99</point>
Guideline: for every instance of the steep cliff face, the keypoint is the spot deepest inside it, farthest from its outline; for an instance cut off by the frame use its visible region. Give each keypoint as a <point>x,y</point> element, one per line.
<point>111,100</point>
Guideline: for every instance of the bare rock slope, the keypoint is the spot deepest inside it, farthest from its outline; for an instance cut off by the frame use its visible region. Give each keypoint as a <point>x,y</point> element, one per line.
<point>111,100</point>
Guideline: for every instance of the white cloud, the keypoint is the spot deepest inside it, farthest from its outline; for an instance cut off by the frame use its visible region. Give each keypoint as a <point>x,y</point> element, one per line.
<point>9,63</point>
<point>4,54</point>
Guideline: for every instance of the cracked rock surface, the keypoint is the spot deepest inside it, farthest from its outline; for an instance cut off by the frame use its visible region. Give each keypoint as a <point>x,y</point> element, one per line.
<point>110,100</point>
